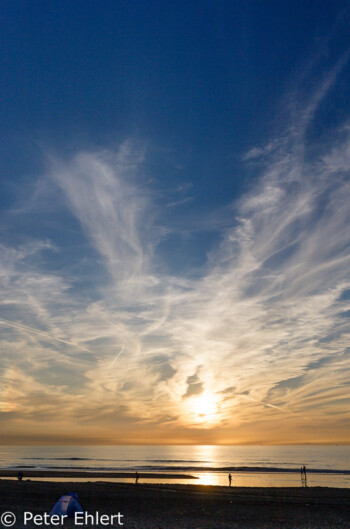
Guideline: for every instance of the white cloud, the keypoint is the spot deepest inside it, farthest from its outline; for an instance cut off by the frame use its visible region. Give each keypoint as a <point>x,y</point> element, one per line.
<point>267,316</point>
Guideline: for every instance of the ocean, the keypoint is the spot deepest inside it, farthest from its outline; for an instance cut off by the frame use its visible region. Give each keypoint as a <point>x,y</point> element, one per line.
<point>249,465</point>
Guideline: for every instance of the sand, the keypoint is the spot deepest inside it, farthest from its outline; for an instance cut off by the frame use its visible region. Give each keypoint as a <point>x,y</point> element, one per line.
<point>89,474</point>
<point>152,506</point>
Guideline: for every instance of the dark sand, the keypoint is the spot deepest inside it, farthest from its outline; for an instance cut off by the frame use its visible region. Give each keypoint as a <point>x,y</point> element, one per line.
<point>89,474</point>
<point>152,506</point>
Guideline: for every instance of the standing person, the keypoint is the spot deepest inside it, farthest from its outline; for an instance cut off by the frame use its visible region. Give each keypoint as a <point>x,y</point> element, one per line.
<point>305,479</point>
<point>136,477</point>
<point>302,476</point>
<point>229,480</point>
<point>20,475</point>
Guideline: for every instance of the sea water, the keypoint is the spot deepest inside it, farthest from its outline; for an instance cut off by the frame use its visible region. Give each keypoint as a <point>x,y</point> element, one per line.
<point>249,465</point>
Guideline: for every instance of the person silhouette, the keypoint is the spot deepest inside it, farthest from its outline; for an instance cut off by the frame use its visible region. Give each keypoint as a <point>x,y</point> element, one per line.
<point>136,477</point>
<point>229,480</point>
<point>305,479</point>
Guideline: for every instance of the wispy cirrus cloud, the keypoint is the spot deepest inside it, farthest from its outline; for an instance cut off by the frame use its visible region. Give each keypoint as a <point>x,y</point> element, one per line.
<point>259,333</point>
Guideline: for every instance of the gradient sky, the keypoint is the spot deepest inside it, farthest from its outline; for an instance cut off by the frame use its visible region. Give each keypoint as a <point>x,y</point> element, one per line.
<point>175,222</point>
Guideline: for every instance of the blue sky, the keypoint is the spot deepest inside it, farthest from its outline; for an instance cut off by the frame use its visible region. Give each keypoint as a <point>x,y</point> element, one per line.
<point>175,222</point>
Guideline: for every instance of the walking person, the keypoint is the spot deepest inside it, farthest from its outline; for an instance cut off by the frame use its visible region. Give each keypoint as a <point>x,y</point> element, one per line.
<point>229,480</point>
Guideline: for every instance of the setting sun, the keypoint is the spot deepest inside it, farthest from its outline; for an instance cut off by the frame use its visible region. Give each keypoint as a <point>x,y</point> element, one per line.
<point>205,408</point>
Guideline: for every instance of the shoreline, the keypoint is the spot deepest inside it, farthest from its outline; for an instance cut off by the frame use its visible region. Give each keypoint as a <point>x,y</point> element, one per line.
<point>28,473</point>
<point>170,470</point>
<point>246,478</point>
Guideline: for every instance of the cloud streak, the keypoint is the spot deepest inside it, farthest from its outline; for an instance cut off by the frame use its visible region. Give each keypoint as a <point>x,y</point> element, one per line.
<point>261,330</point>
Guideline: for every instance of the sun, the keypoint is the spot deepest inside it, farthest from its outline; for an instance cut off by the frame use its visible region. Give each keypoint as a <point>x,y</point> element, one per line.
<point>201,411</point>
<point>205,408</point>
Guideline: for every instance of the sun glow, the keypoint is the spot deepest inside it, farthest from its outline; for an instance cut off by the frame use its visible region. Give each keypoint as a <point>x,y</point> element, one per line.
<point>204,408</point>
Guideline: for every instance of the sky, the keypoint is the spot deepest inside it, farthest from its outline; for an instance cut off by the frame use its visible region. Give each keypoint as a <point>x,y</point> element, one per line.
<point>175,222</point>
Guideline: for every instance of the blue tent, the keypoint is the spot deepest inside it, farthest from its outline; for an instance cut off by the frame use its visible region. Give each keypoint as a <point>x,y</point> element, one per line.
<point>67,505</point>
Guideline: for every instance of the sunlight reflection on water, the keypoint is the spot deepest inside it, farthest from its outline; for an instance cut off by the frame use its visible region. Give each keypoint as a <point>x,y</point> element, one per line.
<point>239,479</point>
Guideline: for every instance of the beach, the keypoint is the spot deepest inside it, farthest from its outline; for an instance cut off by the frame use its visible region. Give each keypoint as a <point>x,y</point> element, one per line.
<point>173,506</point>
<point>8,473</point>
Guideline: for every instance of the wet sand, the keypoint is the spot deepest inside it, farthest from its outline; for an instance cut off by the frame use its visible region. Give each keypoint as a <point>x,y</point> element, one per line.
<point>89,474</point>
<point>152,506</point>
